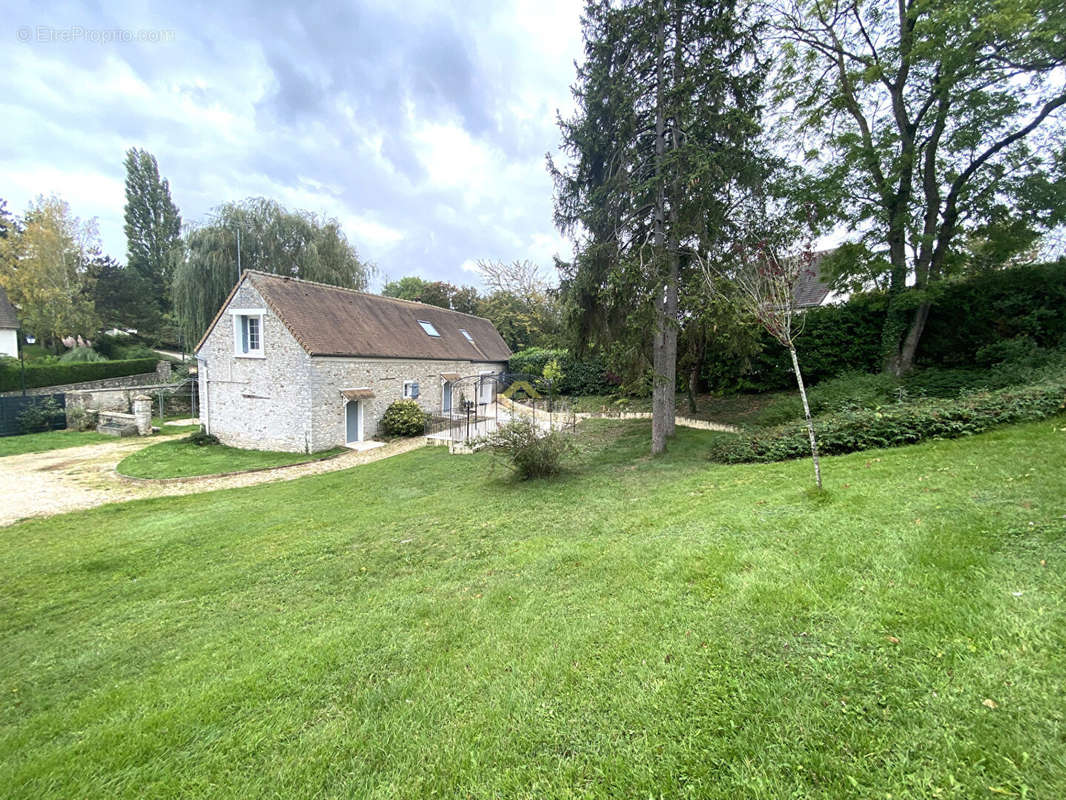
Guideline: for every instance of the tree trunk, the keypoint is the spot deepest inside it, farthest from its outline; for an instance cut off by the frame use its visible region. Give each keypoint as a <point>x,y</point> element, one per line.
<point>807,416</point>
<point>914,335</point>
<point>659,428</point>
<point>694,376</point>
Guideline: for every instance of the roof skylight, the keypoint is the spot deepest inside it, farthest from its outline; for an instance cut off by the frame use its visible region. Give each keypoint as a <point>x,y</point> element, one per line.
<point>466,333</point>
<point>428,328</point>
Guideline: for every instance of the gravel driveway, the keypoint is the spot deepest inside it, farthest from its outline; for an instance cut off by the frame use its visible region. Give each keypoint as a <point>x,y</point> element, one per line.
<point>43,484</point>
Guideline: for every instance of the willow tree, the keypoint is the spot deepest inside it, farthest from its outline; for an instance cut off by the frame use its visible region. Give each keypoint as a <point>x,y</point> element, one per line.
<point>258,234</point>
<point>667,111</point>
<point>924,121</point>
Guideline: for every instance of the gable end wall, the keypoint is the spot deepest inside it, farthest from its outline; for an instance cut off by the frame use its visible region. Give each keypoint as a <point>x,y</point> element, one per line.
<point>256,403</point>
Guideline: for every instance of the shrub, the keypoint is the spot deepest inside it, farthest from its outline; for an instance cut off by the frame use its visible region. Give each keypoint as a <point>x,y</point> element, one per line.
<point>57,374</point>
<point>81,419</point>
<point>527,450</point>
<point>404,418</point>
<point>201,439</point>
<point>42,415</point>
<point>80,355</point>
<point>900,424</point>
<point>575,376</point>
<point>848,392</point>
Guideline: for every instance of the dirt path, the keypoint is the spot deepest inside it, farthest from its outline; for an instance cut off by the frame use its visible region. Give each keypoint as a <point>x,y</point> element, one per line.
<point>43,484</point>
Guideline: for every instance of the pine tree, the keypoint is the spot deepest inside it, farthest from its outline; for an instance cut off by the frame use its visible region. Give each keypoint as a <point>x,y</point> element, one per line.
<point>667,117</point>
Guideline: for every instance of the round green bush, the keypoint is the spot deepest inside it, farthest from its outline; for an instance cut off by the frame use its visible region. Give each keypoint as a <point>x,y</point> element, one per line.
<point>404,418</point>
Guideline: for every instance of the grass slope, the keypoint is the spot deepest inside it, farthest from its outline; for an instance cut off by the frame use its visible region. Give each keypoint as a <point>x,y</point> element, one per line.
<point>180,459</point>
<point>421,627</point>
<point>49,440</point>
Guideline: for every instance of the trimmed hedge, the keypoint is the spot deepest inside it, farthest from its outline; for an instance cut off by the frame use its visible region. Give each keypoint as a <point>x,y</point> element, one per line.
<point>892,426</point>
<point>969,319</point>
<point>582,376</point>
<point>39,375</point>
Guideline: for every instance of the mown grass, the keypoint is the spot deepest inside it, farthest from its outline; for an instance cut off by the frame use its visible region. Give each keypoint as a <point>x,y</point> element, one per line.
<point>425,627</point>
<point>49,440</point>
<point>182,459</point>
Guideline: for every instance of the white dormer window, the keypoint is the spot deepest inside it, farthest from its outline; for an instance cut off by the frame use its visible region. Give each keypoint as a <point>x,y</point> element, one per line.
<point>428,328</point>
<point>248,332</point>
<point>466,333</point>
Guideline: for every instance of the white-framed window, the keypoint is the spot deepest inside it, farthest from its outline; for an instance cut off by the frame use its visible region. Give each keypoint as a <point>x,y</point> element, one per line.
<point>248,332</point>
<point>428,328</point>
<point>466,333</point>
<point>410,390</point>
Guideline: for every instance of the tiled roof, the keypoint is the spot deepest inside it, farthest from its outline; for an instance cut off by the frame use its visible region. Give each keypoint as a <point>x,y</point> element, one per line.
<point>8,318</point>
<point>331,321</point>
<point>811,290</point>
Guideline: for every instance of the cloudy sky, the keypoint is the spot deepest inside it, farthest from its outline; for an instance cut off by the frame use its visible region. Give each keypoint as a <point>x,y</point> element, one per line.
<point>421,126</point>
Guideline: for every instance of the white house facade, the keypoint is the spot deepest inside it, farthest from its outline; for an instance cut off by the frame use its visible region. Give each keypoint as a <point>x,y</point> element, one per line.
<point>9,342</point>
<point>300,366</point>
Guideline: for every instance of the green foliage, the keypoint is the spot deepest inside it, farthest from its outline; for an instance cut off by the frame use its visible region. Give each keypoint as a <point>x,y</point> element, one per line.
<point>968,316</point>
<point>272,239</point>
<point>81,419</point>
<point>900,424</point>
<point>38,375</point>
<point>404,418</point>
<point>81,355</point>
<point>153,236</point>
<point>528,451</point>
<point>579,376</point>
<point>41,415</point>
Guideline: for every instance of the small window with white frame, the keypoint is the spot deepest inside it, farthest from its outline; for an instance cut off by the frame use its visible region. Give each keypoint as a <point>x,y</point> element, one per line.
<point>410,390</point>
<point>428,328</point>
<point>466,333</point>
<point>248,332</point>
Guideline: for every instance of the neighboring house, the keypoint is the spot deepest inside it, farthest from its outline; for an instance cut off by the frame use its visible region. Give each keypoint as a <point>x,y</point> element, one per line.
<point>294,365</point>
<point>812,290</point>
<point>9,326</point>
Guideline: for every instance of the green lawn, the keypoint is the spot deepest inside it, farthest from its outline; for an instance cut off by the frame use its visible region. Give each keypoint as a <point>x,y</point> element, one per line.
<point>424,627</point>
<point>181,459</point>
<point>49,440</point>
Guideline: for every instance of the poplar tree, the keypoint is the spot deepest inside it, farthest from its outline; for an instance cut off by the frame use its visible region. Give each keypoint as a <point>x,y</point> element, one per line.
<point>153,236</point>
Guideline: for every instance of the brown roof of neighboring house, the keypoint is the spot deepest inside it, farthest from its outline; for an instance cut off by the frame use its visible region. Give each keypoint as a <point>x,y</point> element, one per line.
<point>331,321</point>
<point>8,318</point>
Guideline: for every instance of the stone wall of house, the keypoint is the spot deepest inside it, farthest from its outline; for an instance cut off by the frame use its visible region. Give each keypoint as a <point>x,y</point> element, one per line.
<point>257,403</point>
<point>385,377</point>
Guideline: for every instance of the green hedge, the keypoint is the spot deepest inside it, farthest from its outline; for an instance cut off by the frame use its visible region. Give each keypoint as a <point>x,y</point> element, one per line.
<point>968,318</point>
<point>896,425</point>
<point>581,376</point>
<point>38,375</point>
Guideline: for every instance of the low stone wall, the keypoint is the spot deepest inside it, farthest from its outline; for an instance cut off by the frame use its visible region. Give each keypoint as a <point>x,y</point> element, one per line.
<point>161,375</point>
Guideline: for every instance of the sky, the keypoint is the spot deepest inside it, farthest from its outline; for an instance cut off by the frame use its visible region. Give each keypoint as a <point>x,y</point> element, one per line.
<point>422,127</point>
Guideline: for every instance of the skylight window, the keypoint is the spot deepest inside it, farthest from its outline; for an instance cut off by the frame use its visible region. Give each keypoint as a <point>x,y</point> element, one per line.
<point>466,333</point>
<point>428,328</point>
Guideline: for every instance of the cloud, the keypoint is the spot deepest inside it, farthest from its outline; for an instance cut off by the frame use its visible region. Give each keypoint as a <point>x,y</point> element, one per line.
<point>421,127</point>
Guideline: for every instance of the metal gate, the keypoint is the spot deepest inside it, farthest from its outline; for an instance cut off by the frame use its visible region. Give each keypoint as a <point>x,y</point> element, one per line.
<point>475,406</point>
<point>11,409</point>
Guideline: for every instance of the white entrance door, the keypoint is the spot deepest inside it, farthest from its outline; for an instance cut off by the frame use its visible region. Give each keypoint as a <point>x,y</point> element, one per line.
<point>353,421</point>
<point>488,383</point>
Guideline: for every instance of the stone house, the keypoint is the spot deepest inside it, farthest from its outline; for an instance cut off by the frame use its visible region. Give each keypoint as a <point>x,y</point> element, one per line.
<point>295,365</point>
<point>9,325</point>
